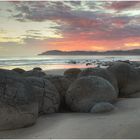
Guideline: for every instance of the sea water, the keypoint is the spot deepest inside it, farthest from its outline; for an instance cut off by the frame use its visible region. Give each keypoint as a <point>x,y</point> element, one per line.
<point>59,62</point>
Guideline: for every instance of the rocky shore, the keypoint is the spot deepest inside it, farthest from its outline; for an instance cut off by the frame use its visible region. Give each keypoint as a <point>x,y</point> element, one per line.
<point>26,96</point>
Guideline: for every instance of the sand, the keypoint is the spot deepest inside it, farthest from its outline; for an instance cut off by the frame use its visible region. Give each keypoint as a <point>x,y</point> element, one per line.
<point>123,122</point>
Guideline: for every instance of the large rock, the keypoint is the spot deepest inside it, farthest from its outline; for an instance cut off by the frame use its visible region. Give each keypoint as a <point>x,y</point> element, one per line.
<point>47,94</point>
<point>18,102</point>
<point>19,70</point>
<point>128,78</point>
<point>22,98</point>
<point>35,73</point>
<point>62,84</point>
<point>102,107</point>
<point>37,69</point>
<point>85,92</point>
<point>104,73</point>
<point>72,73</point>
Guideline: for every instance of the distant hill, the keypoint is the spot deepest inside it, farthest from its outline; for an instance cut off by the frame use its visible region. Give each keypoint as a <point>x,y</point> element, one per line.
<point>113,52</point>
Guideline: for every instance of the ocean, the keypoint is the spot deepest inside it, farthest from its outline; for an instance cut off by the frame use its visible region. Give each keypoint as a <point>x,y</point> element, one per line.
<point>59,62</point>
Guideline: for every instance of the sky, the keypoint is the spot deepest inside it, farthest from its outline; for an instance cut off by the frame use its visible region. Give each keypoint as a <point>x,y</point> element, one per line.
<point>31,27</point>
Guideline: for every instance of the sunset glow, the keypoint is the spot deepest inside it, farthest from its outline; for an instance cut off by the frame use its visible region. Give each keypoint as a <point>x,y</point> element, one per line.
<point>29,28</point>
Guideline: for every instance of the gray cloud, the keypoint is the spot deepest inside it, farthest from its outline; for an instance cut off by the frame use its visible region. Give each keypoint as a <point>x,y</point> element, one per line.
<point>94,24</point>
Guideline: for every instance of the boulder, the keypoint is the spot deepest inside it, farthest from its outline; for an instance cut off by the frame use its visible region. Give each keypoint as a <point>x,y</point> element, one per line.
<point>85,92</point>
<point>37,69</point>
<point>35,73</point>
<point>47,94</point>
<point>19,70</point>
<point>18,102</point>
<point>104,73</point>
<point>72,73</point>
<point>102,107</point>
<point>22,98</point>
<point>128,78</point>
<point>62,84</point>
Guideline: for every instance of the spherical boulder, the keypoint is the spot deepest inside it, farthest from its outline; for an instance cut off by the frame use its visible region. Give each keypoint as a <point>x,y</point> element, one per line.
<point>104,73</point>
<point>102,107</point>
<point>128,78</point>
<point>85,92</point>
<point>72,73</point>
<point>34,73</point>
<point>47,95</point>
<point>19,70</point>
<point>62,84</point>
<point>18,102</point>
<point>37,69</point>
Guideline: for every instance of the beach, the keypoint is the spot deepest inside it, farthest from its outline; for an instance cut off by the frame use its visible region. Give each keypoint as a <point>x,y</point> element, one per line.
<point>123,122</point>
<point>70,69</point>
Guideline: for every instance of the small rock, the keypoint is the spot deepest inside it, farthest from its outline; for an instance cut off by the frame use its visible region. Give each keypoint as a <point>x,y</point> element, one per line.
<point>19,70</point>
<point>102,107</point>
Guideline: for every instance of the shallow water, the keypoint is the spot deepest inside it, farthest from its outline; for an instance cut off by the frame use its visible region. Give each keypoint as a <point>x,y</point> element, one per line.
<point>58,62</point>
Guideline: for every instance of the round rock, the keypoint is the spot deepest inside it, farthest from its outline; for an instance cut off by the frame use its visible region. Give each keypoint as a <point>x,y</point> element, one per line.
<point>72,73</point>
<point>128,78</point>
<point>104,73</point>
<point>102,107</point>
<point>18,102</point>
<point>62,84</point>
<point>47,94</point>
<point>85,92</point>
<point>19,70</point>
<point>34,73</point>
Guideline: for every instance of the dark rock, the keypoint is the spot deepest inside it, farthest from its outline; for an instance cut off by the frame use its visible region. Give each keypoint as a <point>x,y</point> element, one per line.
<point>72,73</point>
<point>22,98</point>
<point>19,70</point>
<point>47,94</point>
<point>37,69</point>
<point>62,84</point>
<point>85,92</point>
<point>34,73</point>
<point>128,78</point>
<point>18,102</point>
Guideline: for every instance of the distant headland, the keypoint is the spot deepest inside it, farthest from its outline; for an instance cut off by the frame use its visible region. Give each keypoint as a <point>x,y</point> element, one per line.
<point>112,52</point>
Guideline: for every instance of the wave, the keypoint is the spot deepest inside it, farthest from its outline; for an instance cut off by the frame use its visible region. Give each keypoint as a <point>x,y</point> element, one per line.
<point>59,60</point>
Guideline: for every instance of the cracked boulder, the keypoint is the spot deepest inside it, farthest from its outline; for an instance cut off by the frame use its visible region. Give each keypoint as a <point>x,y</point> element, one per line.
<point>23,98</point>
<point>47,94</point>
<point>18,102</point>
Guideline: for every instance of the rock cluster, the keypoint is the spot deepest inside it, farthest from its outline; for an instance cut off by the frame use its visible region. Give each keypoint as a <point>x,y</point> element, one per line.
<point>25,95</point>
